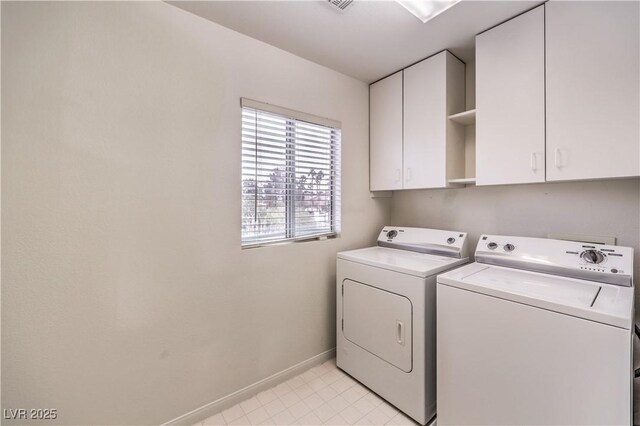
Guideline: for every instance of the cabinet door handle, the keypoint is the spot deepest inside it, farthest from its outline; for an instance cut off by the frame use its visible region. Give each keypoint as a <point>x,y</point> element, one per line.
<point>558,159</point>
<point>400,333</point>
<point>534,165</point>
<point>397,175</point>
<point>408,174</point>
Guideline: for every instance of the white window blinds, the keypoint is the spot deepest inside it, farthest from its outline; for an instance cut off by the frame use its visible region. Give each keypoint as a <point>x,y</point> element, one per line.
<point>290,175</point>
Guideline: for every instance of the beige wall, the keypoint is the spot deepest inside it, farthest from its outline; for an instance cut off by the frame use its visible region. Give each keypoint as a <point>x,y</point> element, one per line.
<point>126,298</point>
<point>607,208</point>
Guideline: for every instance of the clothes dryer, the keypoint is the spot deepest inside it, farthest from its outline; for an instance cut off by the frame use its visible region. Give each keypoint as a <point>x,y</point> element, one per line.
<point>386,300</point>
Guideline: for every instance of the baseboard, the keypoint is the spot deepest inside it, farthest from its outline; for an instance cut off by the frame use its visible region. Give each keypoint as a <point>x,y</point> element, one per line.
<point>208,410</point>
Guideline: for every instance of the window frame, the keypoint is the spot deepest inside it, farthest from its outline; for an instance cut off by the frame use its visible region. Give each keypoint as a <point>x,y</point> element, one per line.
<point>335,181</point>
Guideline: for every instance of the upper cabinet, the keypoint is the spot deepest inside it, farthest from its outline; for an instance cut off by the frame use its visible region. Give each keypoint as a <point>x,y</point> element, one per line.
<point>412,143</point>
<point>557,98</point>
<point>385,140</point>
<point>510,117</point>
<point>592,73</point>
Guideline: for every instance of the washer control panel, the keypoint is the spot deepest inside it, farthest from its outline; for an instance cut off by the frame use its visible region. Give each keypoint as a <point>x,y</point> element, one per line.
<point>596,262</point>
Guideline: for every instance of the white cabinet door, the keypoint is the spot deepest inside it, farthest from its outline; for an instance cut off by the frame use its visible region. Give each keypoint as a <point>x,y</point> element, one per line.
<point>433,89</point>
<point>593,115</point>
<point>510,117</point>
<point>385,139</point>
<point>425,122</point>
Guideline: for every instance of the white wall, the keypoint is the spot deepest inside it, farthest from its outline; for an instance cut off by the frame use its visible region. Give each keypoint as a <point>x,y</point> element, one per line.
<point>126,298</point>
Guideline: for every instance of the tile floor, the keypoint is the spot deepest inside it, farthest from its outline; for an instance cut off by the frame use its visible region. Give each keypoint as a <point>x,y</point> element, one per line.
<point>322,395</point>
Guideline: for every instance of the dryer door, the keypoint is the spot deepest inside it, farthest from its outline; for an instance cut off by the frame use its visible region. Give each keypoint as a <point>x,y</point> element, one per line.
<point>379,322</point>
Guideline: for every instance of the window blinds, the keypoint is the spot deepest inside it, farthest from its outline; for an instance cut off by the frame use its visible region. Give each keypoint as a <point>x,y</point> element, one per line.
<point>290,175</point>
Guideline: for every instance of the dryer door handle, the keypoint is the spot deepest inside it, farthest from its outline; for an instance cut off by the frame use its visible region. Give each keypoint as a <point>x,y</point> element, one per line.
<point>400,333</point>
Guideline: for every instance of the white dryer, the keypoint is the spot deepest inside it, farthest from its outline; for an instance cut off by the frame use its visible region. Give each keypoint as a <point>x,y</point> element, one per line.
<point>386,300</point>
<point>537,331</point>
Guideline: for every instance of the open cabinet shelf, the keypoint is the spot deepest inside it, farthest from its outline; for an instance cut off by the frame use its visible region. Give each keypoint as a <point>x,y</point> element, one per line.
<point>468,120</point>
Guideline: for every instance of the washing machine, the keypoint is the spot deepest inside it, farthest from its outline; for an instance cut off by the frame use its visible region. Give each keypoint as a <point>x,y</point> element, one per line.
<point>386,300</point>
<point>536,331</point>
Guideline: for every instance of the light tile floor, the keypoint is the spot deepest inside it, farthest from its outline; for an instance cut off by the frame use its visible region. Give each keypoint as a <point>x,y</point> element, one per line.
<point>322,395</point>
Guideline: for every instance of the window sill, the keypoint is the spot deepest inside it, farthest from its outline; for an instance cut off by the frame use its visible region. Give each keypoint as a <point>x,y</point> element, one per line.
<point>330,236</point>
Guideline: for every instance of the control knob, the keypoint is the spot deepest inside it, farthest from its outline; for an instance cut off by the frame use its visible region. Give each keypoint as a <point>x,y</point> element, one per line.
<point>392,233</point>
<point>492,246</point>
<point>509,247</point>
<point>593,256</point>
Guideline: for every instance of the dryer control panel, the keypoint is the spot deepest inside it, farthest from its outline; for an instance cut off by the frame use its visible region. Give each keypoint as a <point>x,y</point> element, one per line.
<point>595,262</point>
<point>425,240</point>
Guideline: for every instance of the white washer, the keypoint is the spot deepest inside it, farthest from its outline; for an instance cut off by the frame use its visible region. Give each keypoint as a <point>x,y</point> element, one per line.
<point>386,313</point>
<point>537,331</point>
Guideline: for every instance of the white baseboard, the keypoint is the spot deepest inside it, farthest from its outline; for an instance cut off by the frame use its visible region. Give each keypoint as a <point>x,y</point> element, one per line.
<point>214,407</point>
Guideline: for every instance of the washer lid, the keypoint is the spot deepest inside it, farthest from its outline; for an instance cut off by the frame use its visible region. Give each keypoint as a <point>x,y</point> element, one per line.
<point>403,261</point>
<point>605,303</point>
<point>550,288</point>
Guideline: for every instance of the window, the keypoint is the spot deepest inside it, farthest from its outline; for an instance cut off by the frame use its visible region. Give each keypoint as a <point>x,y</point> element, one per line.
<point>290,175</point>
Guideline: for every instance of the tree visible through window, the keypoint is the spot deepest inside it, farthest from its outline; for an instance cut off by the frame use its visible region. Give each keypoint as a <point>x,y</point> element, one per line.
<point>290,177</point>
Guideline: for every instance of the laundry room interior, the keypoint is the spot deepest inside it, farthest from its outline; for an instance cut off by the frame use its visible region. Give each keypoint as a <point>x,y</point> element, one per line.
<point>320,212</point>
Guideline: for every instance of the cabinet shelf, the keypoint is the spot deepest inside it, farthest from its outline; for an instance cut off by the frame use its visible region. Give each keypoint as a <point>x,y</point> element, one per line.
<point>464,181</point>
<point>466,118</point>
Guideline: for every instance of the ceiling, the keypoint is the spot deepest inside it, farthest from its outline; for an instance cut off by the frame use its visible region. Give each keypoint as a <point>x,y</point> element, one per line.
<point>369,40</point>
